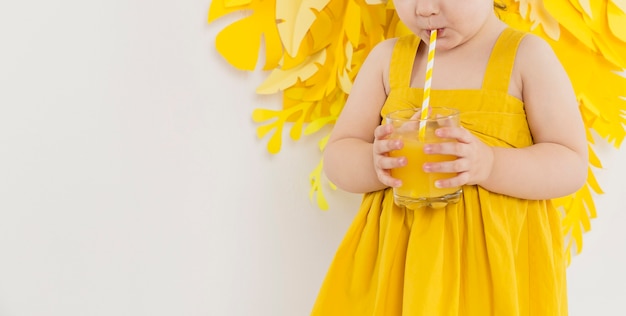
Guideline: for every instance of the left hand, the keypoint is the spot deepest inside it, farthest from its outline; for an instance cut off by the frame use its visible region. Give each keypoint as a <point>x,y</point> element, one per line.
<point>474,162</point>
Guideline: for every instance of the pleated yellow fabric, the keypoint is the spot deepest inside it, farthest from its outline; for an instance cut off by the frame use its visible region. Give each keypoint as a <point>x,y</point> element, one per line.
<point>489,254</point>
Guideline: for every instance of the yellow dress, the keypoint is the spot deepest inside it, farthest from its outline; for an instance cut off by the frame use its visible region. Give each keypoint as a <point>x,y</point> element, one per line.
<point>489,254</point>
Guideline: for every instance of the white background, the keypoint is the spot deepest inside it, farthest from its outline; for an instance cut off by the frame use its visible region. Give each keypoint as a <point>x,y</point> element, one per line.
<point>132,181</point>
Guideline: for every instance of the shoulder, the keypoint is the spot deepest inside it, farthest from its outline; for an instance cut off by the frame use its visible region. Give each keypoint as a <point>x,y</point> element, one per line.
<point>379,59</point>
<point>537,66</point>
<point>533,45</point>
<point>534,54</point>
<point>388,45</point>
<point>384,49</point>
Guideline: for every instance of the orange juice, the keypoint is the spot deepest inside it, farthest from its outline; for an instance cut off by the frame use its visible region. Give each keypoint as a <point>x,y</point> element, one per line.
<point>415,182</point>
<point>418,187</point>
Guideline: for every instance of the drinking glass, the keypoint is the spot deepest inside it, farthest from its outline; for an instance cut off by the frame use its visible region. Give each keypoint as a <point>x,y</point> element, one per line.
<point>418,187</point>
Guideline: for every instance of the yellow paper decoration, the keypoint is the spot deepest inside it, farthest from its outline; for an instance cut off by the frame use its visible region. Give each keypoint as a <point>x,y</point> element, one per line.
<point>314,48</point>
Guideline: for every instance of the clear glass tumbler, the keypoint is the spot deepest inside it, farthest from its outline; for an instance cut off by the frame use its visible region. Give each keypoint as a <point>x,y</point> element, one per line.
<point>418,187</point>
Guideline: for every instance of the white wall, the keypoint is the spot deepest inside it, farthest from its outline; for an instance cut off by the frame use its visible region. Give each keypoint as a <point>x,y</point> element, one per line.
<point>132,182</point>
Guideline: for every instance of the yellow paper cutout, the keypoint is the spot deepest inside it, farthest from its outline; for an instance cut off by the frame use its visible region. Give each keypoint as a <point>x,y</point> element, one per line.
<point>239,42</point>
<point>294,18</point>
<point>235,3</point>
<point>617,21</point>
<point>314,49</point>
<point>280,79</point>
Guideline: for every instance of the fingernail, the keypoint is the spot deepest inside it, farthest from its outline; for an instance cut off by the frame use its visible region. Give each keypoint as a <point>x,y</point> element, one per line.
<point>402,162</point>
<point>427,167</point>
<point>438,184</point>
<point>428,149</point>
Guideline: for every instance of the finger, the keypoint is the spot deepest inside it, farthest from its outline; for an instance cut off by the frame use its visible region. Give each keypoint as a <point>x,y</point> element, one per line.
<point>386,163</point>
<point>385,178</point>
<point>383,131</point>
<point>460,180</point>
<point>385,146</point>
<point>458,133</point>
<point>450,121</point>
<point>408,127</point>
<point>448,148</point>
<point>454,166</point>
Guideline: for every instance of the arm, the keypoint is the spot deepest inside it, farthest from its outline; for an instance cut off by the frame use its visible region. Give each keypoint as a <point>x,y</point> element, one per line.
<point>349,154</point>
<point>556,164</point>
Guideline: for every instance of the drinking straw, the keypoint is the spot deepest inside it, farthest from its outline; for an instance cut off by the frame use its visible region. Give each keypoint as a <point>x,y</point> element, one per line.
<point>428,81</point>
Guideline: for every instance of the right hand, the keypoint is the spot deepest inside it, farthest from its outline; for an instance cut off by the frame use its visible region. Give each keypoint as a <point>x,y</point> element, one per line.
<point>382,162</point>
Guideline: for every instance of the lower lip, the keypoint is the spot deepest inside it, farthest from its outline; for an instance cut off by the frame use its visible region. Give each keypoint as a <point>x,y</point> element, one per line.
<point>439,32</point>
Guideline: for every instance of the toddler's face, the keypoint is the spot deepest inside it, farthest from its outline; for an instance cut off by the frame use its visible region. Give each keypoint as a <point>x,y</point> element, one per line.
<point>455,20</point>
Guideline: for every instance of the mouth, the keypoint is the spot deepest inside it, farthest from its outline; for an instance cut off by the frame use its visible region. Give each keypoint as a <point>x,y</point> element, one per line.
<point>439,31</point>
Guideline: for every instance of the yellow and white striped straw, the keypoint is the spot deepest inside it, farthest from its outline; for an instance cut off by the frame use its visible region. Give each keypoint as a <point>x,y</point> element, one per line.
<point>429,79</point>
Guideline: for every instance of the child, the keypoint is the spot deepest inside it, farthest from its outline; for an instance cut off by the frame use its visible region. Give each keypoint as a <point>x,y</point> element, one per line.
<point>499,251</point>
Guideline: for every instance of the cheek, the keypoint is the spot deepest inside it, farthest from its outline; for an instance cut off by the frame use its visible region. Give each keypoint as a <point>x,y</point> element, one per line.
<point>401,14</point>
<point>404,9</point>
<point>468,18</point>
<point>474,11</point>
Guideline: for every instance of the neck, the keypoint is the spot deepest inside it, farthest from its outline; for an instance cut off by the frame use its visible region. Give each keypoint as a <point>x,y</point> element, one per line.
<point>487,33</point>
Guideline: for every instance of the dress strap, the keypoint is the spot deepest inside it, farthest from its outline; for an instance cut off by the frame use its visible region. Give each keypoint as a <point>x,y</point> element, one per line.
<point>500,66</point>
<point>402,59</point>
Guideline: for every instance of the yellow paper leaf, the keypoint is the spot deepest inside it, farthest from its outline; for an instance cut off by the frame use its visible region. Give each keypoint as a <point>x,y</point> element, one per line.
<point>353,23</point>
<point>316,186</point>
<point>321,201</point>
<point>323,142</point>
<point>239,42</point>
<point>273,146</point>
<point>321,32</point>
<point>295,93</point>
<point>345,80</point>
<point>621,4</point>
<point>263,130</point>
<point>296,129</point>
<point>220,8</point>
<point>586,6</point>
<point>593,183</point>
<point>295,17</point>
<point>569,18</point>
<point>260,115</point>
<point>593,158</point>
<point>617,21</point>
<point>318,124</point>
<point>282,79</point>
<point>321,76</point>
<point>316,92</point>
<point>337,106</point>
